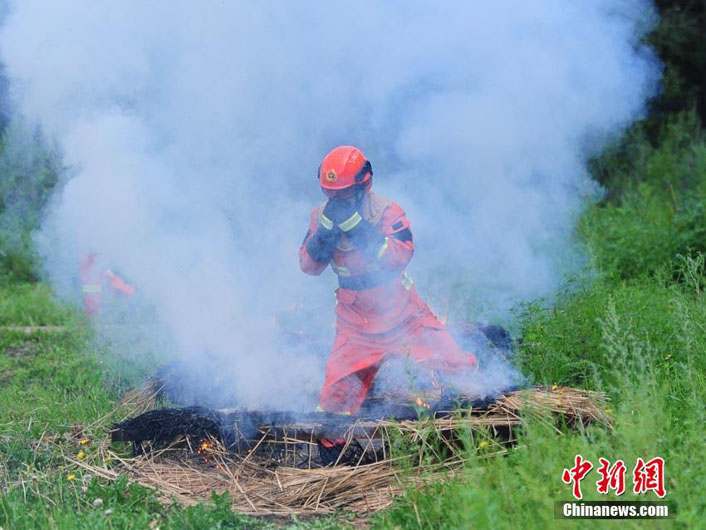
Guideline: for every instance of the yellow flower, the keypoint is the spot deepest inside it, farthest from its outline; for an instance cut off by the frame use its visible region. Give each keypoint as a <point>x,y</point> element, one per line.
<point>608,411</point>
<point>84,441</point>
<point>81,454</point>
<point>108,460</point>
<point>483,444</point>
<point>71,477</point>
<point>554,387</point>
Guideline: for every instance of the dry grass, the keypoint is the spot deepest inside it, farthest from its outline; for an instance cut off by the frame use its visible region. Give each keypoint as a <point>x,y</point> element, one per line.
<point>434,451</point>
<point>177,473</point>
<point>142,399</point>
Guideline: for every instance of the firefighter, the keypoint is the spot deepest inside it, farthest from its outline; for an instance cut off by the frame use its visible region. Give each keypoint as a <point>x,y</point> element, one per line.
<point>94,279</point>
<point>368,242</point>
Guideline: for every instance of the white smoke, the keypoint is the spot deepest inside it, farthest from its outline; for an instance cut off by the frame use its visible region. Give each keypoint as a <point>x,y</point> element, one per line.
<point>192,133</point>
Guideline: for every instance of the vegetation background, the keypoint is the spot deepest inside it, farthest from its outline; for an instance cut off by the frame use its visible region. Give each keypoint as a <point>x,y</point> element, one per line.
<point>634,327</point>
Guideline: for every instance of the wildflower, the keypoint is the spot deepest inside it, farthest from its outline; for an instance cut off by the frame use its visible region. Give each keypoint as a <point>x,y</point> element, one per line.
<point>71,477</point>
<point>81,454</point>
<point>608,411</point>
<point>483,444</point>
<point>554,387</point>
<point>84,441</point>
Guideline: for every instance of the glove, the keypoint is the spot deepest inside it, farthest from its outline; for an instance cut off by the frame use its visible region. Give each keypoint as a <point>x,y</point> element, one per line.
<point>323,244</point>
<point>346,217</point>
<point>338,210</point>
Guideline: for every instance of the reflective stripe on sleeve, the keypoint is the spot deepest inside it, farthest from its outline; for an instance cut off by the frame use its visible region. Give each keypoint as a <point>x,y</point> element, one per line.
<point>407,280</point>
<point>383,247</point>
<point>326,222</point>
<point>339,270</point>
<point>351,222</point>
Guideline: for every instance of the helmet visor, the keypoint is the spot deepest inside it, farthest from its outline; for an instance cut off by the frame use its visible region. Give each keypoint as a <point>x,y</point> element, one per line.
<point>345,193</point>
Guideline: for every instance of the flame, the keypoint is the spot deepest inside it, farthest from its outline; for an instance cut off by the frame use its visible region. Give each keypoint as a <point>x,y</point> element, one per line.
<point>205,447</point>
<point>421,403</point>
<point>205,451</point>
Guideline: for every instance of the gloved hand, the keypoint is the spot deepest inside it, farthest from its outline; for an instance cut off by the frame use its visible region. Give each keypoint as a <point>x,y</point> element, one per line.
<point>338,210</point>
<point>344,214</point>
<point>323,244</point>
<point>346,217</point>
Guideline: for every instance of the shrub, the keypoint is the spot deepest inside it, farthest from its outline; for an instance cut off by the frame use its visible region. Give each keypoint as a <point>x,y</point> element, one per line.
<point>28,174</point>
<point>658,207</point>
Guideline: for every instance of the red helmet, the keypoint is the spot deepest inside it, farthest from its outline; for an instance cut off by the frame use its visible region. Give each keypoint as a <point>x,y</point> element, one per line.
<point>344,167</point>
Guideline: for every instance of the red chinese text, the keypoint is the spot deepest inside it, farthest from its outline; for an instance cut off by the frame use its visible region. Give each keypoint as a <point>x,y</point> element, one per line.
<point>576,474</point>
<point>649,476</point>
<point>612,477</point>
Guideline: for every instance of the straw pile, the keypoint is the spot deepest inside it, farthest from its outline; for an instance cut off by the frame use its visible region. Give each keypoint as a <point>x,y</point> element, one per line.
<point>265,479</point>
<point>256,489</point>
<point>142,399</point>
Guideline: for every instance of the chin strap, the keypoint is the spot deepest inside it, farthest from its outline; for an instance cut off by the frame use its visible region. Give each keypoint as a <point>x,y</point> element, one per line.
<point>359,194</point>
<point>362,186</point>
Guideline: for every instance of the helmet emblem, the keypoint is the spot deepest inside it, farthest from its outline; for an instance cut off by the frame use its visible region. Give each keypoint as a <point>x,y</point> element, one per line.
<point>331,176</point>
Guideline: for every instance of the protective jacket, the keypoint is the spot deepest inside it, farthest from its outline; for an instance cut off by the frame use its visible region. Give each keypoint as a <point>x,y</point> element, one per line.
<point>378,310</point>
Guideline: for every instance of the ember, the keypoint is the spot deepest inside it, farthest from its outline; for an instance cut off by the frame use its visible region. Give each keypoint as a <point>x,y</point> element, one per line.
<point>421,403</point>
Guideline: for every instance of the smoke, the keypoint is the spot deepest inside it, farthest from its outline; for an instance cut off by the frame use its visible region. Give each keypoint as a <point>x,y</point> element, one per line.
<point>192,134</point>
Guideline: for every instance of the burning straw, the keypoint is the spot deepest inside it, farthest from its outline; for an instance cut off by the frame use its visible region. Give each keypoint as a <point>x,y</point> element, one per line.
<point>262,481</point>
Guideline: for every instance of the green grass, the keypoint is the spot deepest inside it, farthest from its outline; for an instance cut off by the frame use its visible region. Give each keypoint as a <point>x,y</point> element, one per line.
<point>656,202</point>
<point>645,344</point>
<point>31,304</point>
<point>642,341</point>
<point>54,384</point>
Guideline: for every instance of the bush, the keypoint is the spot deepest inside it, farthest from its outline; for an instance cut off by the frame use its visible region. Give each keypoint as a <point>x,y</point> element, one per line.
<point>28,174</point>
<point>657,209</point>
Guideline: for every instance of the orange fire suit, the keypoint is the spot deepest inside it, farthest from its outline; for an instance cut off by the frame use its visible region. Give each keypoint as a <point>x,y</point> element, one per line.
<point>93,278</point>
<point>378,310</point>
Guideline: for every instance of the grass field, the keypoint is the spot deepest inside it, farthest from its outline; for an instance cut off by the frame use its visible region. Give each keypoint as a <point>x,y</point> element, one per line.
<point>643,341</point>
<point>635,327</point>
